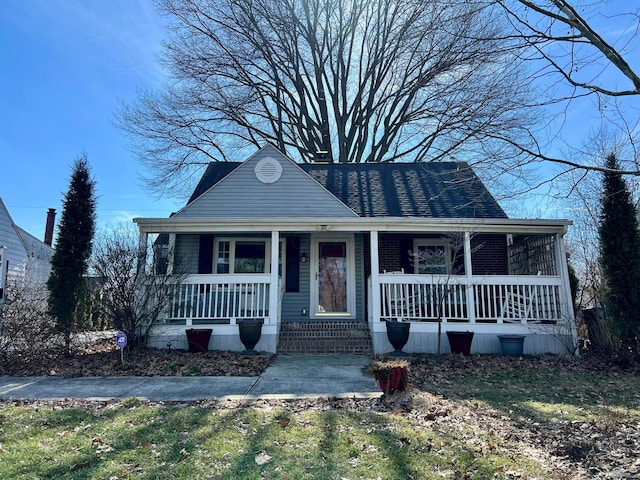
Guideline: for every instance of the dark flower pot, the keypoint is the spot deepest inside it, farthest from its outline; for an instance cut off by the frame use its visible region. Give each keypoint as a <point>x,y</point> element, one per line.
<point>250,332</point>
<point>391,375</point>
<point>512,345</point>
<point>198,339</point>
<point>398,335</point>
<point>460,342</point>
<point>394,382</point>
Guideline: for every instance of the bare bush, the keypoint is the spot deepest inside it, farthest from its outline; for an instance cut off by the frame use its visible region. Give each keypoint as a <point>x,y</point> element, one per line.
<point>130,297</point>
<point>28,333</point>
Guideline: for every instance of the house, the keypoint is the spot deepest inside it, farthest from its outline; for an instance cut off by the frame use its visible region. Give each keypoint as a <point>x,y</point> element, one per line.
<point>325,253</point>
<point>25,261</point>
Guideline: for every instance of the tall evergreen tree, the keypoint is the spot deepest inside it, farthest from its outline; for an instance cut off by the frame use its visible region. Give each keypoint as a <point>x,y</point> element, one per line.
<point>73,249</point>
<point>620,256</point>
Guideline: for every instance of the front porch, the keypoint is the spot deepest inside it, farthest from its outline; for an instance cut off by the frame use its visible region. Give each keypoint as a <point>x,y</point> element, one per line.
<point>507,277</point>
<point>488,306</point>
<point>219,302</point>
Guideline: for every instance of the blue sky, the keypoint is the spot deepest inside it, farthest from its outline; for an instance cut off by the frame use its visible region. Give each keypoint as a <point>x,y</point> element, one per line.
<point>66,66</point>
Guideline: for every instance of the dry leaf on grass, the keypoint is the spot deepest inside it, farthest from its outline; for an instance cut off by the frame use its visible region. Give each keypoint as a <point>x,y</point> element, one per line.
<point>262,459</point>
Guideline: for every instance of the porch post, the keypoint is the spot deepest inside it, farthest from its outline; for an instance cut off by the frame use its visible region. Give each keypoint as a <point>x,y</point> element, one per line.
<point>375,277</point>
<point>274,291</point>
<point>566,307</point>
<point>468,270</point>
<point>3,272</point>
<point>171,253</point>
<point>142,249</point>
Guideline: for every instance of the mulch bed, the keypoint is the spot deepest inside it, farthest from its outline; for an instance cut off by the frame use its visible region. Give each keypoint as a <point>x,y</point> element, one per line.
<point>102,359</point>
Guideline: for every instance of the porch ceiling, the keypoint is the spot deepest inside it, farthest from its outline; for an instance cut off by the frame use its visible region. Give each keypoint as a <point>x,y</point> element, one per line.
<point>332,224</point>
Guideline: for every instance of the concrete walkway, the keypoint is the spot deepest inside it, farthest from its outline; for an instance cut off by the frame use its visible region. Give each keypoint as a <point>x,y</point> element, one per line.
<point>289,377</point>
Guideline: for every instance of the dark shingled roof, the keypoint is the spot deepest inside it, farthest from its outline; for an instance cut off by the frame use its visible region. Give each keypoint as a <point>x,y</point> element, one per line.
<point>436,190</point>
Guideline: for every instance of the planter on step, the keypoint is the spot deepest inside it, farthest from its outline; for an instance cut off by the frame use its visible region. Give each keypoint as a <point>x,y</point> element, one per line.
<point>512,345</point>
<point>398,335</point>
<point>460,342</point>
<point>250,331</point>
<point>198,339</point>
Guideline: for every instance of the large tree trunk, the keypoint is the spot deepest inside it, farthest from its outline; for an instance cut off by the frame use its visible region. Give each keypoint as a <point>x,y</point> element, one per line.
<point>600,338</point>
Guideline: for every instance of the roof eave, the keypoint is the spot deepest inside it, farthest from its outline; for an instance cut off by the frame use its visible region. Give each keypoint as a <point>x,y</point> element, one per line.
<point>333,224</point>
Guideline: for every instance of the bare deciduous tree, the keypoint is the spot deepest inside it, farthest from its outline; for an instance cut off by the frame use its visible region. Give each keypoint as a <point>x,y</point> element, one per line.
<point>584,206</point>
<point>581,50</point>
<point>131,299</point>
<point>442,262</point>
<point>371,81</point>
<point>568,42</point>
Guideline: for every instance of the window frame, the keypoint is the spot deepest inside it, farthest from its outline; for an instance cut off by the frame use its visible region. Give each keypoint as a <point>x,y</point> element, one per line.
<point>432,242</point>
<point>233,241</point>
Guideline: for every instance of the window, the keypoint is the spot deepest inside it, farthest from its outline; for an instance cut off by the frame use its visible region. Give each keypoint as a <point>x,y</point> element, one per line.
<point>250,257</point>
<point>431,256</point>
<point>223,260</point>
<point>244,255</point>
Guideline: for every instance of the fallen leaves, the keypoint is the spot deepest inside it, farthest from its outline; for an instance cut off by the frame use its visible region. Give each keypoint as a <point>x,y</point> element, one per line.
<point>603,447</point>
<point>80,466</point>
<point>262,459</point>
<point>100,446</point>
<point>102,358</point>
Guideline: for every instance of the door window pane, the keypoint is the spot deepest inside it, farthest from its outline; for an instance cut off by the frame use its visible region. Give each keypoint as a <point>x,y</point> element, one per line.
<point>332,277</point>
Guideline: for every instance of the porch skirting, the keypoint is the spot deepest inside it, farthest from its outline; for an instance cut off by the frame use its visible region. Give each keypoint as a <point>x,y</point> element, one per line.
<point>423,338</point>
<point>223,337</point>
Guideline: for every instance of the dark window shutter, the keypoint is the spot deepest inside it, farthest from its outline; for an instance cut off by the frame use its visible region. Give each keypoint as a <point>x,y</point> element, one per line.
<point>205,254</point>
<point>406,246</point>
<point>293,265</point>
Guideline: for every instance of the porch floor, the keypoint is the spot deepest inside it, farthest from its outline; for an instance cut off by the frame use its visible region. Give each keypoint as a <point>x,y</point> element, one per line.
<point>325,337</point>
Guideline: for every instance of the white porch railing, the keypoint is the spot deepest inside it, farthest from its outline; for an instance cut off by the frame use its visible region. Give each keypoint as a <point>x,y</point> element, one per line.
<point>206,299</point>
<point>493,299</point>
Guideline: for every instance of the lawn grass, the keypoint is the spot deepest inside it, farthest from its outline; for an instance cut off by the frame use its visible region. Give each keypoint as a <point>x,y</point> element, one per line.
<point>544,392</point>
<point>139,440</point>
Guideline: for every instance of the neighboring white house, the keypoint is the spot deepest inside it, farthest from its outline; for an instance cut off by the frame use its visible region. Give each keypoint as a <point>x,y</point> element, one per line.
<point>25,261</point>
<point>326,253</point>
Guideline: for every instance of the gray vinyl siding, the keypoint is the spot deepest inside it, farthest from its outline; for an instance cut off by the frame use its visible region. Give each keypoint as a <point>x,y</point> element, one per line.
<point>360,280</point>
<point>186,254</point>
<point>242,195</point>
<point>294,302</point>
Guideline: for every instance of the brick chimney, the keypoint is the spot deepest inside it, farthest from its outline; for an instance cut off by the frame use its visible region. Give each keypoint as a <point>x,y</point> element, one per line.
<point>322,157</point>
<point>48,229</point>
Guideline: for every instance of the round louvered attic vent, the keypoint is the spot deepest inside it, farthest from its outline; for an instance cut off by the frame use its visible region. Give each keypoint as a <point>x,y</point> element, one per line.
<point>268,170</point>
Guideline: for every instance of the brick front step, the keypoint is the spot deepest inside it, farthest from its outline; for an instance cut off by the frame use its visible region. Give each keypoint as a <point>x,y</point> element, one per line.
<point>349,337</point>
